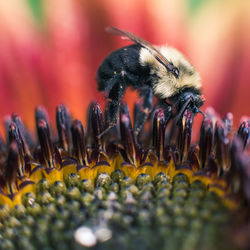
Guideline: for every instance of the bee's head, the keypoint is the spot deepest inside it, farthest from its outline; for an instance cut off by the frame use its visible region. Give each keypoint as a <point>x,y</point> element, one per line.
<point>195,101</point>
<point>190,99</point>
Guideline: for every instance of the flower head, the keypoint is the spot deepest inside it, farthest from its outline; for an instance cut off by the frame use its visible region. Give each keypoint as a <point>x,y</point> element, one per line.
<point>161,189</point>
<point>157,190</point>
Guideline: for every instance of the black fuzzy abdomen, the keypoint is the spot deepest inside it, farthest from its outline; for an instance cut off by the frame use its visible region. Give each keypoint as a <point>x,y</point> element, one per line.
<point>122,62</point>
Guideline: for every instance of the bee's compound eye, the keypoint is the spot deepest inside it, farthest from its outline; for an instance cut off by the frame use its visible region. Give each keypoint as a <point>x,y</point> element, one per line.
<point>175,72</point>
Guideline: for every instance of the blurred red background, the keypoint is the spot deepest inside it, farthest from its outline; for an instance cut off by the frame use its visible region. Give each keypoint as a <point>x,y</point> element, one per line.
<point>50,50</point>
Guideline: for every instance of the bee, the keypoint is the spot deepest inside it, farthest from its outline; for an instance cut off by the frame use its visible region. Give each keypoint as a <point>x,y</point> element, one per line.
<point>159,71</point>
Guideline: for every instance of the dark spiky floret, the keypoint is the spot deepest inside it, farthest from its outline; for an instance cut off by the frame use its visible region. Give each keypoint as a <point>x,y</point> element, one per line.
<point>159,190</point>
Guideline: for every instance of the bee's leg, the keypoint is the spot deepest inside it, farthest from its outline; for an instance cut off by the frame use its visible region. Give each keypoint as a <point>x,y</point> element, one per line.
<point>112,107</point>
<point>145,110</point>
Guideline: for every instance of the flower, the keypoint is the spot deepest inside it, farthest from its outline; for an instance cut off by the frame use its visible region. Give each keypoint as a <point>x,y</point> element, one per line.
<point>76,189</point>
<point>164,190</point>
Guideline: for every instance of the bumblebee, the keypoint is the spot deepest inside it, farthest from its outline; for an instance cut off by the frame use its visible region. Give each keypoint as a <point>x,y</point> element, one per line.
<point>159,71</point>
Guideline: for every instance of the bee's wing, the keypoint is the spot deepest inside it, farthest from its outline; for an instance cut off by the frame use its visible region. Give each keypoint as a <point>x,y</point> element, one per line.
<point>130,36</point>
